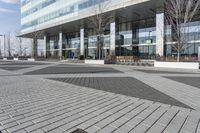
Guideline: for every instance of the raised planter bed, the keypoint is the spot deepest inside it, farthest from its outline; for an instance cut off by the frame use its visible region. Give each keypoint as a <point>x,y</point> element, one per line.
<point>182,65</point>
<point>31,59</point>
<point>15,59</point>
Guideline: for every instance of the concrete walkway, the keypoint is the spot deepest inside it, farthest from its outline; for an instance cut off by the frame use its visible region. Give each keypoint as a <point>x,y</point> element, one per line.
<point>37,104</point>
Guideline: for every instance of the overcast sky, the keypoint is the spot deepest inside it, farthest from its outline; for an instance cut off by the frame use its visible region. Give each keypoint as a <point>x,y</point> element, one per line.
<point>9,16</point>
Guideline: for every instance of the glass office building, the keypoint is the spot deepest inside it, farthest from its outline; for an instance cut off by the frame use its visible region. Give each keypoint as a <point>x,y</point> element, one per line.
<point>138,28</point>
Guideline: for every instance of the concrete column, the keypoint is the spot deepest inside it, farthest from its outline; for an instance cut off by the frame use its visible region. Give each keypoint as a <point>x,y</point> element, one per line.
<point>60,45</point>
<point>45,46</point>
<point>160,26</point>
<point>112,38</point>
<point>82,43</point>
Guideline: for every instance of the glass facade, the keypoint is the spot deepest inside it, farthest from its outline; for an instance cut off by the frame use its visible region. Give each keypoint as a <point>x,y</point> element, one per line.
<point>24,2</point>
<point>60,12</point>
<point>71,45</point>
<point>137,38</point>
<point>53,46</point>
<point>192,40</point>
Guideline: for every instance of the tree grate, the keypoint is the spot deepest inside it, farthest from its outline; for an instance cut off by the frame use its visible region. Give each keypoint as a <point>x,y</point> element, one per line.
<point>79,131</point>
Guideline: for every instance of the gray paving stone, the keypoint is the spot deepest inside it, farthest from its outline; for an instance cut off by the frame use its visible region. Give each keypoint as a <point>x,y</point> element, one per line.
<point>13,68</point>
<point>12,119</point>
<point>4,118</point>
<point>140,129</point>
<point>72,69</point>
<point>21,131</point>
<point>156,128</point>
<point>123,129</point>
<point>36,126</point>
<point>70,125</point>
<point>57,130</point>
<point>20,127</point>
<point>53,126</point>
<point>35,104</point>
<point>131,87</point>
<point>118,122</point>
<point>177,122</point>
<point>193,81</point>
<point>4,131</point>
<point>107,129</point>
<point>38,131</point>
<point>12,124</point>
<point>92,129</point>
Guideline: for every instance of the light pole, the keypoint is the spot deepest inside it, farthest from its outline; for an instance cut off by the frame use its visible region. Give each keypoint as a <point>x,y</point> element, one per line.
<point>4,40</point>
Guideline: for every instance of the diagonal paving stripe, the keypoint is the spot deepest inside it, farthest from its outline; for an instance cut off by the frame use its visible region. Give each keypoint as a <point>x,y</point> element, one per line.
<point>174,89</point>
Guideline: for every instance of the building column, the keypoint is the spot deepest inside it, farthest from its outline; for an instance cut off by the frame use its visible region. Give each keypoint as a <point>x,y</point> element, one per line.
<point>199,53</point>
<point>60,45</point>
<point>160,27</point>
<point>45,46</point>
<point>82,42</point>
<point>112,38</point>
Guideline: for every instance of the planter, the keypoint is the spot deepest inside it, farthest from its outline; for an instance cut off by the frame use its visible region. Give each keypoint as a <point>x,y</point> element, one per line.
<point>100,62</point>
<point>183,65</point>
<point>31,59</point>
<point>16,59</point>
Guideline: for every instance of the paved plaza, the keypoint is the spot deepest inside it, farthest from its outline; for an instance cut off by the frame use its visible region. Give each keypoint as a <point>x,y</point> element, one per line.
<point>39,97</point>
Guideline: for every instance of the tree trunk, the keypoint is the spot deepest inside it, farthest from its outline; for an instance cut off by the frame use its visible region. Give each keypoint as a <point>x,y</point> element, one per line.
<point>34,50</point>
<point>98,48</point>
<point>178,52</point>
<point>178,56</point>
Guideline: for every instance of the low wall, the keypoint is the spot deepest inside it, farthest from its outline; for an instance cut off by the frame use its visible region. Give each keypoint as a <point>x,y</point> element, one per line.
<point>183,65</point>
<point>15,59</point>
<point>100,62</point>
<point>31,59</point>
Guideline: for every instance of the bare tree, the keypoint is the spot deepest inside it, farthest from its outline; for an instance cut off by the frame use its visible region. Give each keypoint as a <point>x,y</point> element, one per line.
<point>178,14</point>
<point>19,49</point>
<point>99,23</point>
<point>35,35</point>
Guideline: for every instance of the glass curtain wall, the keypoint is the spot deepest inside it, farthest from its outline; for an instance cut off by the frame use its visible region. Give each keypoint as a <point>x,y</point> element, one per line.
<point>53,47</point>
<point>71,45</point>
<point>92,47</point>
<point>192,38</point>
<point>137,38</point>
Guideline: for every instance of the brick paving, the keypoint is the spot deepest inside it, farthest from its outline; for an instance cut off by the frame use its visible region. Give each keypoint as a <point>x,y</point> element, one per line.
<point>72,69</point>
<point>192,81</point>
<point>164,72</point>
<point>123,85</point>
<point>35,104</point>
<point>14,68</point>
<point>11,63</point>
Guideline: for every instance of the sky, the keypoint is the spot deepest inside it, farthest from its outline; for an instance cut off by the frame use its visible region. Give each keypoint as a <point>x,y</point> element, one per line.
<point>10,23</point>
<point>9,16</point>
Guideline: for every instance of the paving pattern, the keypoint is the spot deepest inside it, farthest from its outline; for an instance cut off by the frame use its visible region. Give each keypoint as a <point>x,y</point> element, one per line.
<point>72,69</point>
<point>35,104</point>
<point>164,72</point>
<point>123,85</point>
<point>192,81</point>
<point>22,63</point>
<point>13,68</point>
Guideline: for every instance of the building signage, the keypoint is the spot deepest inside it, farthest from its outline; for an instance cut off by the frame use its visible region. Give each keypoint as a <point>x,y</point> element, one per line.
<point>148,41</point>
